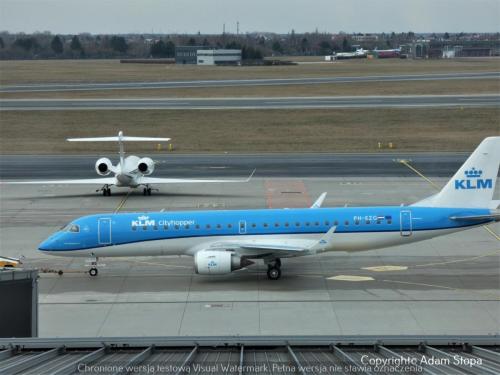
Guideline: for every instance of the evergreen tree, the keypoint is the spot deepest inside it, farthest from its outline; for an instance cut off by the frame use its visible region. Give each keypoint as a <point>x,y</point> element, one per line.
<point>119,44</point>
<point>170,49</point>
<point>75,44</point>
<point>158,49</point>
<point>27,43</point>
<point>2,45</point>
<point>346,46</point>
<point>277,47</point>
<point>325,48</point>
<point>57,45</point>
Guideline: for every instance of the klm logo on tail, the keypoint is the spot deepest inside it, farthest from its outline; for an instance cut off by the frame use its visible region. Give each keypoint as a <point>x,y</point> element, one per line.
<point>473,181</point>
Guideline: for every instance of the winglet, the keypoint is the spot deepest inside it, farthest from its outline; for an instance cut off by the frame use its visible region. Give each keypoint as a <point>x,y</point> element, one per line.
<point>319,201</point>
<point>325,240</point>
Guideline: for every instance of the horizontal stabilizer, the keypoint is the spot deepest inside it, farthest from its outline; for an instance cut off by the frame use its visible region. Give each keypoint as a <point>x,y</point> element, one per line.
<point>493,217</point>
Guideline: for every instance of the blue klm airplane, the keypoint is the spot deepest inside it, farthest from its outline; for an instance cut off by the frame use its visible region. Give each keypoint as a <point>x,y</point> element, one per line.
<point>225,241</point>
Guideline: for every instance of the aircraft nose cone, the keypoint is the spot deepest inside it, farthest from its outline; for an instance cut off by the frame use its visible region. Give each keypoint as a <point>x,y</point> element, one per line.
<point>50,244</point>
<point>46,245</point>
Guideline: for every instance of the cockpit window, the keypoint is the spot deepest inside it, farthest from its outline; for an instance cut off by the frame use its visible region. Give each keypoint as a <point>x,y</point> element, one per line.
<point>74,228</point>
<point>71,228</point>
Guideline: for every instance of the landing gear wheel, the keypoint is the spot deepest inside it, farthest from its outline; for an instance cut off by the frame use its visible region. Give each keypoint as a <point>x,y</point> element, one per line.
<point>149,191</point>
<point>93,272</point>
<point>145,191</point>
<point>108,192</point>
<point>273,273</point>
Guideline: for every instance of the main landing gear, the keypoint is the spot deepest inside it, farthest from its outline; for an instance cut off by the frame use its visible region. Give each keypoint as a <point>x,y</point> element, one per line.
<point>147,190</point>
<point>274,269</point>
<point>106,191</point>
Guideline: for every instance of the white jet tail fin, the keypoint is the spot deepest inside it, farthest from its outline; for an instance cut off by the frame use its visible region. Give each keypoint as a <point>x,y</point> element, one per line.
<point>474,183</point>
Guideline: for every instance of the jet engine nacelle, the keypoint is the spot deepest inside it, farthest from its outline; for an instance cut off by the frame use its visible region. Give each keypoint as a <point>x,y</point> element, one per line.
<point>103,166</point>
<point>146,166</point>
<point>207,262</point>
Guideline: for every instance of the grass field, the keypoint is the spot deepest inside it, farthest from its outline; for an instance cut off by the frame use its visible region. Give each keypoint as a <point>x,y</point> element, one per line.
<point>46,71</point>
<point>329,130</point>
<point>479,86</point>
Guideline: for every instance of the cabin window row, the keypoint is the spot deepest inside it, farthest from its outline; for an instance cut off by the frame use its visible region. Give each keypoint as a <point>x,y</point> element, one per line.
<point>254,225</point>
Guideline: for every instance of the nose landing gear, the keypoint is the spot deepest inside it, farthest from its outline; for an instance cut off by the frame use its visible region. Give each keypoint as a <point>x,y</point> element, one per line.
<point>93,267</point>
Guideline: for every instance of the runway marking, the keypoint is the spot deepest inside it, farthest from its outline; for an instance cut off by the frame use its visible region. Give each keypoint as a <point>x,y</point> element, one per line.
<point>351,278</point>
<point>406,163</point>
<point>459,260</point>
<point>122,202</point>
<point>495,296</point>
<point>286,194</point>
<point>385,268</point>
<point>489,230</point>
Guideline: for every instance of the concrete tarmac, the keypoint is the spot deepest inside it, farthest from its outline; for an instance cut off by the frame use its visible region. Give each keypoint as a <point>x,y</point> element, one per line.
<point>245,82</point>
<point>447,285</point>
<point>432,164</point>
<point>408,101</point>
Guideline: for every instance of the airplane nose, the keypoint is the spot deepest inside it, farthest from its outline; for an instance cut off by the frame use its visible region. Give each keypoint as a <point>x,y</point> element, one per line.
<point>50,244</point>
<point>46,245</point>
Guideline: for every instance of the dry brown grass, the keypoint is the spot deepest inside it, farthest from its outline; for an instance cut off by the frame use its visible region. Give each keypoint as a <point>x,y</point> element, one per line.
<point>332,130</point>
<point>480,86</point>
<point>46,71</point>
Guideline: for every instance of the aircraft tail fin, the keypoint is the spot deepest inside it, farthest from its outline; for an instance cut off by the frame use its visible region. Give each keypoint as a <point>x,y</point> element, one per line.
<point>120,139</point>
<point>474,183</point>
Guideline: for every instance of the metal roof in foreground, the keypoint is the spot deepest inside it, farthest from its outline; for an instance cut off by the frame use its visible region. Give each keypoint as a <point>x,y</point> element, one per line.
<point>253,355</point>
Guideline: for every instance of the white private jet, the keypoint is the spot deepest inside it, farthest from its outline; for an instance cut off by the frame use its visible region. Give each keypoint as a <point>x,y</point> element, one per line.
<point>131,171</point>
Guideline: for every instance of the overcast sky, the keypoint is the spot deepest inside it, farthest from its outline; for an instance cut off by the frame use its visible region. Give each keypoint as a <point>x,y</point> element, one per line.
<point>208,16</point>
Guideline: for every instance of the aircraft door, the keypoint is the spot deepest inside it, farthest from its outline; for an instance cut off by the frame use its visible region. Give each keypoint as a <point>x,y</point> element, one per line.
<point>243,227</point>
<point>104,231</point>
<point>405,223</point>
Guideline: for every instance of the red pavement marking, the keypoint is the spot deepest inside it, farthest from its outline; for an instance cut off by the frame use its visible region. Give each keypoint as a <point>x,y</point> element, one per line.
<point>286,194</point>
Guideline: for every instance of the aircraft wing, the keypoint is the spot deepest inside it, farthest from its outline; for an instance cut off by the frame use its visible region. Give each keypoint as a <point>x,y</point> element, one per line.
<point>280,249</point>
<point>158,180</point>
<point>95,181</point>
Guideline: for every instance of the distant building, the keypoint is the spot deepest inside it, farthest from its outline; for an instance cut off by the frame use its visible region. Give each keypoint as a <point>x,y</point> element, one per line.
<point>204,55</point>
<point>365,37</point>
<point>187,54</point>
<point>219,57</point>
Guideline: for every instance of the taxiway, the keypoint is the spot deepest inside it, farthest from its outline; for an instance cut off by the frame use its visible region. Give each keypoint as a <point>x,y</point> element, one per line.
<point>245,82</point>
<point>448,285</point>
<point>407,101</point>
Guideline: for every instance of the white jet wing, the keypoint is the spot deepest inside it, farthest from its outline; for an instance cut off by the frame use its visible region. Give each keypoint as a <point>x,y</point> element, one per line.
<point>158,180</point>
<point>96,181</point>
